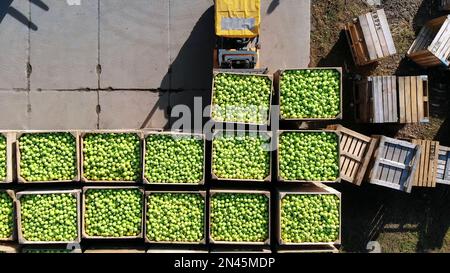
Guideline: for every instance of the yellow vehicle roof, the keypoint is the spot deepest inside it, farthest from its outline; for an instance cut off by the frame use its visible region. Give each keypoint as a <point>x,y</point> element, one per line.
<point>237,18</point>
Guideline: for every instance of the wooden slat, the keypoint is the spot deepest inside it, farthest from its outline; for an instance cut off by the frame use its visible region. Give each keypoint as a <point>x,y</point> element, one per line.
<point>385,99</point>
<point>413,84</point>
<point>420,102</point>
<point>380,34</point>
<point>407,104</point>
<point>394,99</point>
<point>373,33</point>
<point>387,32</point>
<point>436,43</point>
<point>370,44</point>
<point>380,100</point>
<point>401,101</point>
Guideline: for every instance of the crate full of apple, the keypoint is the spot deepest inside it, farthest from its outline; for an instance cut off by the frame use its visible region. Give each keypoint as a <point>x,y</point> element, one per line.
<point>47,157</point>
<point>3,159</point>
<point>112,212</point>
<point>6,216</point>
<point>49,217</point>
<point>174,158</point>
<point>175,217</point>
<point>309,218</point>
<point>241,98</point>
<point>239,217</point>
<point>310,94</point>
<point>308,156</point>
<point>241,155</point>
<point>111,156</point>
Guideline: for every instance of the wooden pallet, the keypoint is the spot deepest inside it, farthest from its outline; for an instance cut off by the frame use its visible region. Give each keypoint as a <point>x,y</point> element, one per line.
<point>427,171</point>
<point>443,166</point>
<point>432,45</point>
<point>370,38</point>
<point>376,100</point>
<point>395,164</point>
<point>413,99</point>
<point>356,152</point>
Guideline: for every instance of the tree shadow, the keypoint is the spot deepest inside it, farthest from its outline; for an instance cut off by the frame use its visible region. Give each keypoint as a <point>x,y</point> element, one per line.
<point>194,62</point>
<point>273,6</point>
<point>7,9</point>
<point>428,10</point>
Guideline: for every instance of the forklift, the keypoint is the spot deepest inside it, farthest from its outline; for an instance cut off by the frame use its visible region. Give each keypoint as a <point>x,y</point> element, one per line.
<point>237,28</point>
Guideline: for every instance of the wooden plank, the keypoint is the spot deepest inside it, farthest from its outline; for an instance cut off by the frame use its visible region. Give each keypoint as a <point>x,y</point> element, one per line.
<point>387,32</point>
<point>401,102</point>
<point>380,34</point>
<point>386,184</point>
<point>413,89</point>
<point>376,97</point>
<point>354,164</point>
<point>394,102</point>
<point>418,43</point>
<point>435,154</point>
<point>392,163</point>
<point>380,100</point>
<point>365,164</point>
<point>385,99</point>
<point>389,99</point>
<point>420,102</point>
<point>407,99</point>
<point>436,43</point>
<point>373,33</point>
<point>367,37</point>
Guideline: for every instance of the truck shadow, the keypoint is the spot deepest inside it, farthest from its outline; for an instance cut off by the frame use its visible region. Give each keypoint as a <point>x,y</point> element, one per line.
<point>6,8</point>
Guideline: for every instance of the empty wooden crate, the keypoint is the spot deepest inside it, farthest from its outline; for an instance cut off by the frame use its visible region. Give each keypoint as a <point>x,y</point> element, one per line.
<point>432,45</point>
<point>391,99</point>
<point>356,151</point>
<point>413,99</point>
<point>395,164</point>
<point>443,167</point>
<point>370,38</point>
<point>427,170</point>
<point>375,100</point>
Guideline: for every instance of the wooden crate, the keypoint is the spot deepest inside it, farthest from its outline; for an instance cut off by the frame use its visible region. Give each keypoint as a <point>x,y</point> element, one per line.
<point>370,38</point>
<point>356,151</point>
<point>22,240</point>
<point>444,5</point>
<point>395,164</point>
<point>12,196</point>
<point>313,188</point>
<point>375,100</point>
<point>21,179</point>
<point>10,143</point>
<point>427,171</point>
<point>443,166</point>
<point>391,99</point>
<point>432,45</point>
<point>413,99</point>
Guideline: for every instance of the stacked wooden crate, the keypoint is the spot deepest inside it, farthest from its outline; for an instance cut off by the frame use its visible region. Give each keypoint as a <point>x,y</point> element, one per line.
<point>443,166</point>
<point>391,99</point>
<point>427,169</point>
<point>355,151</point>
<point>432,45</point>
<point>370,38</point>
<point>395,164</point>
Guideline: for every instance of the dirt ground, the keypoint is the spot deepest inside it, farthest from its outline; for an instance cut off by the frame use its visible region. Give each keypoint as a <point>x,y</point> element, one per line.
<point>416,222</point>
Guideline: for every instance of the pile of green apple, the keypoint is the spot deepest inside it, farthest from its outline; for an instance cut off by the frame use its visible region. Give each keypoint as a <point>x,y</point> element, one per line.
<point>309,156</point>
<point>115,212</point>
<point>241,98</point>
<point>48,157</point>
<point>310,93</point>
<point>239,217</point>
<point>112,157</point>
<point>174,159</point>
<point>49,217</point>
<point>175,217</point>
<point>308,218</point>
<point>6,216</point>
<point>237,156</point>
<point>2,157</point>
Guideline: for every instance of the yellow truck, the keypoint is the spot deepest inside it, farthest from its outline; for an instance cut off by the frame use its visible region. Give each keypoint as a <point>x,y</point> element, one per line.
<point>237,26</point>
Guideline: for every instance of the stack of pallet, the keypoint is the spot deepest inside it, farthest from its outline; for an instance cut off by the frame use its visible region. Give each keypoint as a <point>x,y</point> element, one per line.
<point>391,99</point>
<point>432,45</point>
<point>370,38</point>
